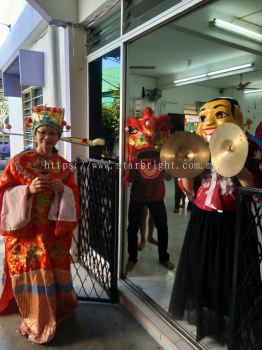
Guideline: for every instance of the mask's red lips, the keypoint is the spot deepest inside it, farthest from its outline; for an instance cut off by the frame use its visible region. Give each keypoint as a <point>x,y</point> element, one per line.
<point>208,131</point>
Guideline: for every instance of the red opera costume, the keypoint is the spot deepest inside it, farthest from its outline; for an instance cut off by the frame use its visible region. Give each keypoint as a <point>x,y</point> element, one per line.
<point>37,230</point>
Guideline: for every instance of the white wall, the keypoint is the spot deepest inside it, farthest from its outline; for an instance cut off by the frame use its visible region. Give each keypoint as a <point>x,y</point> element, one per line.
<point>44,43</point>
<point>252,108</point>
<point>65,85</point>
<point>16,120</point>
<point>135,83</point>
<point>65,81</point>
<point>26,29</point>
<point>76,93</point>
<point>174,99</point>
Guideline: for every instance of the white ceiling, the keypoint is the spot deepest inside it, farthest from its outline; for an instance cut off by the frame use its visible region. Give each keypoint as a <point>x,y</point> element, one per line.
<point>10,11</point>
<point>190,46</point>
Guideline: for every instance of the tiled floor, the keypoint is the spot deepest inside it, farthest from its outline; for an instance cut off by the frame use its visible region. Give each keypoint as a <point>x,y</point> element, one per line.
<point>150,276</point>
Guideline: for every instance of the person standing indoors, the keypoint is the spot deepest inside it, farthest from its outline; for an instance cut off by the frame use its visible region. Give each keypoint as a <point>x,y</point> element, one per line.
<point>39,203</point>
<point>203,282</point>
<point>143,227</point>
<point>146,136</point>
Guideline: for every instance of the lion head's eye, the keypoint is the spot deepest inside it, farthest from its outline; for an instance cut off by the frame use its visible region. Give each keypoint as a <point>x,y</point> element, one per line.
<point>202,118</point>
<point>132,130</point>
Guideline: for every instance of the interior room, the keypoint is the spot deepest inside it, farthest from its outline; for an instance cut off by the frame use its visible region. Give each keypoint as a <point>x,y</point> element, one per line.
<point>222,63</point>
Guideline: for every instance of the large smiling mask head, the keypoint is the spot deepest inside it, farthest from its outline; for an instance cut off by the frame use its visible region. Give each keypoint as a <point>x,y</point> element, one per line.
<point>217,112</point>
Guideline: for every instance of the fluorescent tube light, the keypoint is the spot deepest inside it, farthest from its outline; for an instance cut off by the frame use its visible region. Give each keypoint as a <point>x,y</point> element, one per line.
<point>217,72</point>
<point>236,29</point>
<point>194,77</point>
<point>252,91</point>
<point>221,71</point>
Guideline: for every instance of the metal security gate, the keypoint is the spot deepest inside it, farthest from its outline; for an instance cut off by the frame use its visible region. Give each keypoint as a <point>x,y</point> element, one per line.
<point>246,322</point>
<point>94,250</point>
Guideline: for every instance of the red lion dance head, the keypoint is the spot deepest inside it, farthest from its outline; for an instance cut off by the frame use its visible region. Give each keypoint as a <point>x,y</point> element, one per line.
<point>146,136</point>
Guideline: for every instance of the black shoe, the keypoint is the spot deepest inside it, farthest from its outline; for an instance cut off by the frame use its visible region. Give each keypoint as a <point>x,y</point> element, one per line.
<point>168,264</point>
<point>130,266</point>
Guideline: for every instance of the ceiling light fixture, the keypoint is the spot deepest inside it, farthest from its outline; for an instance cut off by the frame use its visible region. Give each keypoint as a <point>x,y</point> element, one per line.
<point>236,29</point>
<point>230,69</point>
<point>252,91</point>
<point>194,77</point>
<point>216,72</point>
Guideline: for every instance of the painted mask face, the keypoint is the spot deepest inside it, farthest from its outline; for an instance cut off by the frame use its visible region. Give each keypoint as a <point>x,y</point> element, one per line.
<point>215,113</point>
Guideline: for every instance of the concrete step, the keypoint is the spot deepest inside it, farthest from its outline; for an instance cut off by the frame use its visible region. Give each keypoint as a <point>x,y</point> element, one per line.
<point>163,333</point>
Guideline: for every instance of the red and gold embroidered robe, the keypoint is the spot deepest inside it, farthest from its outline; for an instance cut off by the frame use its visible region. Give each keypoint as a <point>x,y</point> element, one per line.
<point>37,279</point>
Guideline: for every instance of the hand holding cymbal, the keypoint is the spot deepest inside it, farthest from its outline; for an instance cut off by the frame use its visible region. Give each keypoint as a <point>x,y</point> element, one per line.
<point>228,147</point>
<point>184,154</point>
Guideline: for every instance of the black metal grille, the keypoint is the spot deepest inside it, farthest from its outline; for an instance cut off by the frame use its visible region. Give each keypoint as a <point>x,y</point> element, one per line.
<point>94,250</point>
<point>246,325</point>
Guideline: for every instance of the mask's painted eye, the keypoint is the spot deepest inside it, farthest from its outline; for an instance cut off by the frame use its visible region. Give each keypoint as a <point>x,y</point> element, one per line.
<point>220,115</point>
<point>202,118</point>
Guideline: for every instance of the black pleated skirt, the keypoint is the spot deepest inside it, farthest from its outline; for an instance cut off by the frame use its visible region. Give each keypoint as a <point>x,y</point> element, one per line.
<point>203,283</point>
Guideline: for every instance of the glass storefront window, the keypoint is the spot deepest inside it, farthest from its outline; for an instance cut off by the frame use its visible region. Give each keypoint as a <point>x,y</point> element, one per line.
<point>137,12</point>
<point>104,80</point>
<point>158,61</point>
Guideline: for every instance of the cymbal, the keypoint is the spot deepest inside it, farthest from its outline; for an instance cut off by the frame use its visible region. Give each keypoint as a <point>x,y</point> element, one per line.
<point>228,148</point>
<point>184,154</point>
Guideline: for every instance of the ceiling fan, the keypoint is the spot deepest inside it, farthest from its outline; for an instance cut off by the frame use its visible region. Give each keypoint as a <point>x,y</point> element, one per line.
<point>242,86</point>
<point>245,86</point>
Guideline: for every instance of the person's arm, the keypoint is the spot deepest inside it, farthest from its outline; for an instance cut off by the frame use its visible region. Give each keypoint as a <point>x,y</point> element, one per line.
<point>245,178</point>
<point>188,184</point>
<point>70,182</point>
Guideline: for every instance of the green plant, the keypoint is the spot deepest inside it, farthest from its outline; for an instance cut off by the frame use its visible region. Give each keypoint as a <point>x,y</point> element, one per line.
<point>110,120</point>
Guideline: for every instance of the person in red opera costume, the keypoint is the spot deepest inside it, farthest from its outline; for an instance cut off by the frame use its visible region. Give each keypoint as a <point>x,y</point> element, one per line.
<point>39,210</point>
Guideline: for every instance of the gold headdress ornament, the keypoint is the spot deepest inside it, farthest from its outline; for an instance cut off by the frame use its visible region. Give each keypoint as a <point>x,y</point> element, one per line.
<point>54,117</point>
<point>50,116</point>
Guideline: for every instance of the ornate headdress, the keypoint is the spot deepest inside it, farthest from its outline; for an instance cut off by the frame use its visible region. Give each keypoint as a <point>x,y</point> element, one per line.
<point>146,134</point>
<point>49,116</point>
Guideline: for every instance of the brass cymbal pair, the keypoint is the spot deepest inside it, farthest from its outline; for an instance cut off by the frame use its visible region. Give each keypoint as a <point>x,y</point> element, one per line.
<point>185,154</point>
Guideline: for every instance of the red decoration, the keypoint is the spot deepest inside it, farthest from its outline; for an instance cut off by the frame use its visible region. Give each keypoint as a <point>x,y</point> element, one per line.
<point>63,123</point>
<point>68,127</point>
<point>37,109</point>
<point>84,140</point>
<point>8,126</point>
